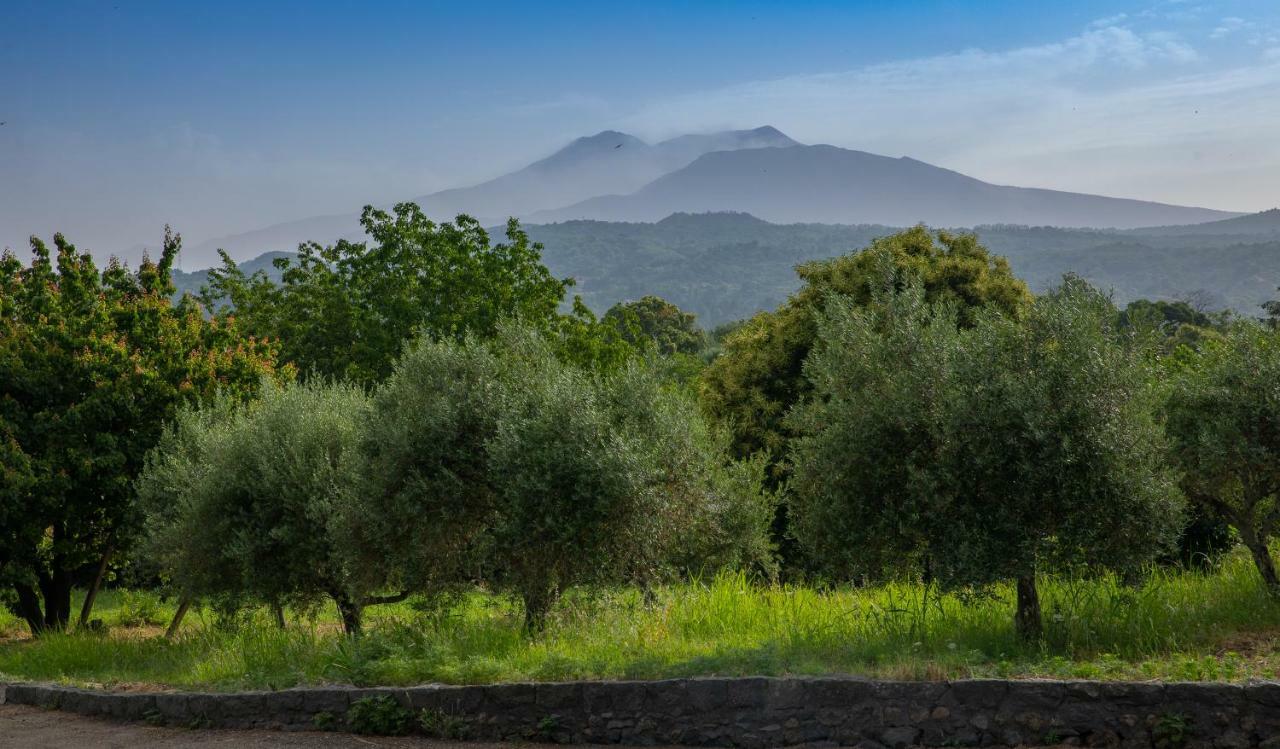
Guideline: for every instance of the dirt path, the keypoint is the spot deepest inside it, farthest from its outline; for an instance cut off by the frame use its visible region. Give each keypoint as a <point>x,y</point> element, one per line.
<point>34,728</point>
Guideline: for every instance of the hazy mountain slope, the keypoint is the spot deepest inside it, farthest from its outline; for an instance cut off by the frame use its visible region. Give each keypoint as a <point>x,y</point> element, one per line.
<point>608,162</point>
<point>1266,223</point>
<point>834,185</point>
<point>190,283</point>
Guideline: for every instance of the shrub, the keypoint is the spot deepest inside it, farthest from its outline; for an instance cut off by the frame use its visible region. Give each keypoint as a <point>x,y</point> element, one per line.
<point>379,716</point>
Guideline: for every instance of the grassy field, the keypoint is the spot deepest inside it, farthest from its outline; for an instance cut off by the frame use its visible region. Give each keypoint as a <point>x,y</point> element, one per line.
<point>1177,626</point>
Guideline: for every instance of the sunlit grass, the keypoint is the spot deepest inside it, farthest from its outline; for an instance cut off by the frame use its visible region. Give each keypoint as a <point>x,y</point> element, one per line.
<point>1177,625</point>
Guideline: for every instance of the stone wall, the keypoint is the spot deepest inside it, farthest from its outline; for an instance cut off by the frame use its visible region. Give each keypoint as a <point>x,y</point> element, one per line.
<point>749,712</point>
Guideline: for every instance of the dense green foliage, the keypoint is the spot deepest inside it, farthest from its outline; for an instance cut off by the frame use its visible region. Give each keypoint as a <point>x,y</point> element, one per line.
<point>244,503</point>
<point>501,460</point>
<point>92,364</point>
<point>654,321</point>
<point>346,310</point>
<point>466,440</point>
<point>758,376</point>
<point>1224,426</point>
<point>981,452</point>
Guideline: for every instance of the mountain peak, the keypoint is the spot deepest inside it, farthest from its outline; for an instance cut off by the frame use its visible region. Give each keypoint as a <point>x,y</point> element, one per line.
<point>769,131</point>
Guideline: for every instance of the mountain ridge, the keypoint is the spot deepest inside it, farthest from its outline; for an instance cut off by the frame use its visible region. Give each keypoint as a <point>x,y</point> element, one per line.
<point>831,185</point>
<point>607,162</point>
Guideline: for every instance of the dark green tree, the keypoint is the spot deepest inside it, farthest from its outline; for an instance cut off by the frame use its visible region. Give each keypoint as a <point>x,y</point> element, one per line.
<point>758,376</point>
<point>653,321</point>
<point>346,310</point>
<point>1224,429</point>
<point>92,364</point>
<point>992,454</point>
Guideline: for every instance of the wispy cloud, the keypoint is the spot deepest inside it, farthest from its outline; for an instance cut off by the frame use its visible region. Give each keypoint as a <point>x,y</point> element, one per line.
<point>1115,108</point>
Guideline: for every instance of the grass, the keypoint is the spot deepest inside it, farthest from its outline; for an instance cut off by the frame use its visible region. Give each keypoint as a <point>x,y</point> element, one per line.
<point>1178,625</point>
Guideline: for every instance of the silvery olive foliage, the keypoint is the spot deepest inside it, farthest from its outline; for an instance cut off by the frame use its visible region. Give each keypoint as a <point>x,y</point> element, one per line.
<point>982,454</point>
<point>496,461</point>
<point>243,501</point>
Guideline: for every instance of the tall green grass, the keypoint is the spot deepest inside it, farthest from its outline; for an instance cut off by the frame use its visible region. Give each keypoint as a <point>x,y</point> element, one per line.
<point>1175,625</point>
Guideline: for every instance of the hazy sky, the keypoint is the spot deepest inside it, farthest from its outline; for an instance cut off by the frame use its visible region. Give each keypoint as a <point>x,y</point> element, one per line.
<point>121,116</point>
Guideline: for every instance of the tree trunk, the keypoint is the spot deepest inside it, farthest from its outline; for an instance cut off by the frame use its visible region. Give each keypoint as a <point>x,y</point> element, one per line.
<point>1261,559</point>
<point>277,613</point>
<point>184,603</point>
<point>537,604</point>
<point>55,589</point>
<point>351,612</point>
<point>29,608</point>
<point>87,609</point>
<point>1027,620</point>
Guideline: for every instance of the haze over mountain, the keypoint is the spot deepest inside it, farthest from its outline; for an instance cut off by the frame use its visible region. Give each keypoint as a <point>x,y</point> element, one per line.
<point>605,163</point>
<point>613,176</point>
<point>826,184</point>
<point>1262,223</point>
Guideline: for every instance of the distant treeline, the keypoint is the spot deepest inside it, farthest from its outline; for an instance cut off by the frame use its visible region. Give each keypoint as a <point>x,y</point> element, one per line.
<point>727,266</point>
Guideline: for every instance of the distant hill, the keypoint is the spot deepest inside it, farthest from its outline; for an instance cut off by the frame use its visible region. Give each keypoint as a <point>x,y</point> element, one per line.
<point>826,184</point>
<point>1266,223</point>
<point>604,163</point>
<point>190,282</point>
<point>726,266</point>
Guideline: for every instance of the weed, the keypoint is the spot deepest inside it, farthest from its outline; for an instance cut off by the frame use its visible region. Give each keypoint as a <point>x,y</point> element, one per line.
<point>379,716</point>
<point>439,724</point>
<point>153,717</point>
<point>1171,731</point>
<point>324,721</point>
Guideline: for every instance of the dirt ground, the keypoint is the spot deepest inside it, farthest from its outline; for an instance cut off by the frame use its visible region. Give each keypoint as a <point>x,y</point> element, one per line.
<point>23,727</point>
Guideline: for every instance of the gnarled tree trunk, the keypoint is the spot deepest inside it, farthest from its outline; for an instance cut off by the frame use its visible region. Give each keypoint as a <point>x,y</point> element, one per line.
<point>1027,621</point>
<point>1261,557</point>
<point>351,611</point>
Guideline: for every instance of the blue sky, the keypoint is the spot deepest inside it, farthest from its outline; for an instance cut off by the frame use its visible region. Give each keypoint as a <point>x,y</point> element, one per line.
<point>224,117</point>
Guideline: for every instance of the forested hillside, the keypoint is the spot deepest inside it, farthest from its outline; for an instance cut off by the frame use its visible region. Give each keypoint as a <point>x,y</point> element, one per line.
<point>726,266</point>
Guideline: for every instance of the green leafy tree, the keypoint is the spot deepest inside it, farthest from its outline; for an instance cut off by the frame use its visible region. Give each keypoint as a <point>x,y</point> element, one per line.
<point>500,461</point>
<point>1224,428</point>
<point>653,321</point>
<point>245,503</point>
<point>92,364</point>
<point>1180,322</point>
<point>989,454</point>
<point>758,376</point>
<point>346,310</point>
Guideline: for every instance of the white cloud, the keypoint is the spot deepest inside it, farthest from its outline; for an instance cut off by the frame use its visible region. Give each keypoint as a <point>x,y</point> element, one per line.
<point>1230,25</point>
<point>1109,21</point>
<point>1112,110</point>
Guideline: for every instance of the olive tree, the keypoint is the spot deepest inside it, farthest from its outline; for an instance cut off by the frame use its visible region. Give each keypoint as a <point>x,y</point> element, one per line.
<point>758,376</point>
<point>243,502</point>
<point>994,453</point>
<point>496,461</point>
<point>1224,431</point>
